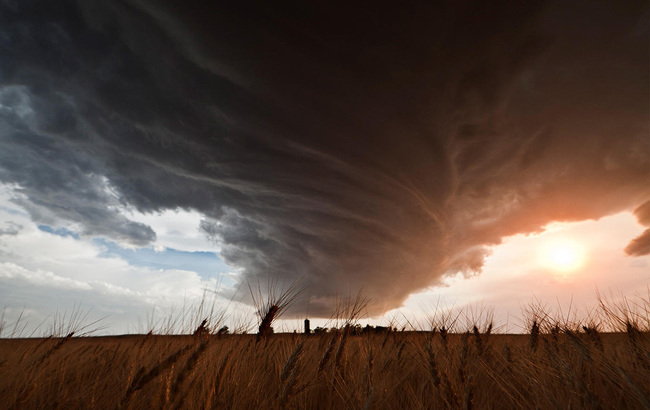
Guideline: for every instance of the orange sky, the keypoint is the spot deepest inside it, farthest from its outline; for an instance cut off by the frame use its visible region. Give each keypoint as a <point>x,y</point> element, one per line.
<point>514,274</point>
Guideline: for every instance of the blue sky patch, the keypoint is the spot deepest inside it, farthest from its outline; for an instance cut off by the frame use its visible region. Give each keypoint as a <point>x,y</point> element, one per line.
<point>59,231</point>
<point>206,264</point>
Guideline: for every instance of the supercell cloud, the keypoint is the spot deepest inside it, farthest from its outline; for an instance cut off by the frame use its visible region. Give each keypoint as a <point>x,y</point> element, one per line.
<point>354,147</point>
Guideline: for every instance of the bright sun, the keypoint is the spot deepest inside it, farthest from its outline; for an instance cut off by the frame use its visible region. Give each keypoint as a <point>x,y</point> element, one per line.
<point>562,255</point>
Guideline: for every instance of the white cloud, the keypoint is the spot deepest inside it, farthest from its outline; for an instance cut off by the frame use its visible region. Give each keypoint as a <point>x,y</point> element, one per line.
<point>47,273</point>
<point>11,272</point>
<point>176,229</point>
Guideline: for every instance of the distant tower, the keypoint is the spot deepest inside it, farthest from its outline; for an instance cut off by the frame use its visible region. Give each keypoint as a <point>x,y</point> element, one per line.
<point>307,330</point>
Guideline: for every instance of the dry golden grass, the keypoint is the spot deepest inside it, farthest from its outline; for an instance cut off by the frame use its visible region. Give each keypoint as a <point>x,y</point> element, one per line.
<point>393,370</point>
<point>562,362</point>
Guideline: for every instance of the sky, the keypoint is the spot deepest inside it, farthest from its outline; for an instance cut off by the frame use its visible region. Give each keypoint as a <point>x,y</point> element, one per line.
<point>152,151</point>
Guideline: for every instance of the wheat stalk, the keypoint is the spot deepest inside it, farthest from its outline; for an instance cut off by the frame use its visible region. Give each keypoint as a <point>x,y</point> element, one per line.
<point>143,377</point>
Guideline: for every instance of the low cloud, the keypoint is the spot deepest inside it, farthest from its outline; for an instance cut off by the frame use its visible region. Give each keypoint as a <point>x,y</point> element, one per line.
<point>642,214</point>
<point>375,150</point>
<point>640,245</point>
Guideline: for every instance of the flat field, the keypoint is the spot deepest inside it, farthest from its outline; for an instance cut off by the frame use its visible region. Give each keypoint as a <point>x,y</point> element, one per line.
<point>334,370</point>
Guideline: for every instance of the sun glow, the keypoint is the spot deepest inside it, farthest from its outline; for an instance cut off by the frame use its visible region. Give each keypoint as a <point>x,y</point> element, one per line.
<point>562,255</point>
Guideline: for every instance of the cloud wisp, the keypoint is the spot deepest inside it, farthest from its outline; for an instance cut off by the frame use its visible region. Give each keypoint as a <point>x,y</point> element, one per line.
<point>353,148</point>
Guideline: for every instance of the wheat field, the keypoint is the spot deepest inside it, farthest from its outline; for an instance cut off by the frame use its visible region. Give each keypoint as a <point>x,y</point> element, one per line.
<point>556,365</point>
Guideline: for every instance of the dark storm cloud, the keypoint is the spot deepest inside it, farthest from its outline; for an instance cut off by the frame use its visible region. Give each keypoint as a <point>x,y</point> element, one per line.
<point>58,181</point>
<point>354,147</point>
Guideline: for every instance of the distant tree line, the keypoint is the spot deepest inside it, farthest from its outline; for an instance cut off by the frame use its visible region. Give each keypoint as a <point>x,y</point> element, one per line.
<point>355,329</point>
